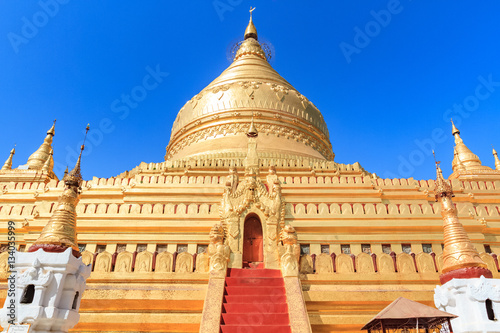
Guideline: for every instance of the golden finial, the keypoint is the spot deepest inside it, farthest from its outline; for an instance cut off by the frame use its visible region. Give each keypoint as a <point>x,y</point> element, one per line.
<point>40,156</point>
<point>60,231</point>
<point>75,176</point>
<point>497,161</point>
<point>460,257</point>
<point>251,31</point>
<point>252,131</point>
<point>454,129</point>
<point>51,131</point>
<point>66,172</point>
<point>8,163</point>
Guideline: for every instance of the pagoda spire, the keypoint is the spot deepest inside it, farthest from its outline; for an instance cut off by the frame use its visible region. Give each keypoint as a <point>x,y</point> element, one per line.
<point>49,163</point>
<point>60,232</point>
<point>497,161</point>
<point>251,31</point>
<point>8,163</point>
<point>250,46</point>
<point>469,160</point>
<point>460,257</point>
<point>40,156</point>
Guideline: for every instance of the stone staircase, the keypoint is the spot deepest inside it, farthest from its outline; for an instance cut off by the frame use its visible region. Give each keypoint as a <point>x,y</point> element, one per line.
<point>254,301</point>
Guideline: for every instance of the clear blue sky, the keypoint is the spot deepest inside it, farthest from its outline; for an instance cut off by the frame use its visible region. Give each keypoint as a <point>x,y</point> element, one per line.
<point>385,74</point>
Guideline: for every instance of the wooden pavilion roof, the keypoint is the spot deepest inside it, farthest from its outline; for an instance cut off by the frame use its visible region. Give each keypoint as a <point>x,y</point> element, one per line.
<point>403,313</point>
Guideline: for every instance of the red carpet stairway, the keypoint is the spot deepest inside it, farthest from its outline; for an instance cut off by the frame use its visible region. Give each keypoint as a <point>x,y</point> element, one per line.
<point>254,301</point>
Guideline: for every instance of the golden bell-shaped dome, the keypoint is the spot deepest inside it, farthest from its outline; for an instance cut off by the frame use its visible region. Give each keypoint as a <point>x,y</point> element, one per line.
<point>215,121</point>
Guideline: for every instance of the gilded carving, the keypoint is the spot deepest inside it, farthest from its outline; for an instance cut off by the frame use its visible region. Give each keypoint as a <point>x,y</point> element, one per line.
<point>385,263</point>
<point>405,264</point>
<point>233,179</point>
<point>164,262</point>
<point>324,263</point>
<point>87,257</point>
<point>289,251</point>
<point>279,90</point>
<point>103,262</point>
<point>202,263</point>
<point>425,263</point>
<point>311,137</point>
<point>241,195</point>
<point>184,263</point>
<point>343,263</point>
<point>144,262</point>
<point>217,250</point>
<point>364,263</point>
<point>124,262</point>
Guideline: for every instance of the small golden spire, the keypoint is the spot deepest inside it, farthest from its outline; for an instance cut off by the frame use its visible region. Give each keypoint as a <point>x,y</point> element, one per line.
<point>497,161</point>
<point>460,166</point>
<point>8,163</point>
<point>60,231</point>
<point>252,159</point>
<point>40,156</point>
<point>47,166</point>
<point>65,172</point>
<point>470,162</point>
<point>251,31</point>
<point>460,257</point>
<point>252,131</point>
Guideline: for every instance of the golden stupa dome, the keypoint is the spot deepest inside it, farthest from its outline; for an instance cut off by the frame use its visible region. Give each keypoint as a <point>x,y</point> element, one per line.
<point>215,121</point>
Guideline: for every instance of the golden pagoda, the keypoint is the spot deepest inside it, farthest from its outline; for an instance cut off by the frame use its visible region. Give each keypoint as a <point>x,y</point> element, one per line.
<point>249,180</point>
<point>460,258</point>
<point>466,164</point>
<point>60,231</point>
<point>39,166</point>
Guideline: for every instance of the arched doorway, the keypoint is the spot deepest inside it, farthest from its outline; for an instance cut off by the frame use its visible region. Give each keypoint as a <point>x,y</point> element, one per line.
<point>253,250</point>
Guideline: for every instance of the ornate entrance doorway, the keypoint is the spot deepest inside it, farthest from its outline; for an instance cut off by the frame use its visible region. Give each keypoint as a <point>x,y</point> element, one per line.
<point>252,242</point>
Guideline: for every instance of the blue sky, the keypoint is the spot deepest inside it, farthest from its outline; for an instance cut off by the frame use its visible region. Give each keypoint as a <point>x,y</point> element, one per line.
<point>387,75</point>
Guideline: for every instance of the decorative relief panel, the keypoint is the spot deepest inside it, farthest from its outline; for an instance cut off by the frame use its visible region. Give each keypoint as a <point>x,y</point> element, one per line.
<point>87,257</point>
<point>202,263</point>
<point>364,263</point>
<point>385,263</point>
<point>124,262</point>
<point>405,263</point>
<point>324,263</point>
<point>103,262</point>
<point>343,263</point>
<point>425,263</point>
<point>184,263</point>
<point>164,262</point>
<point>144,262</point>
